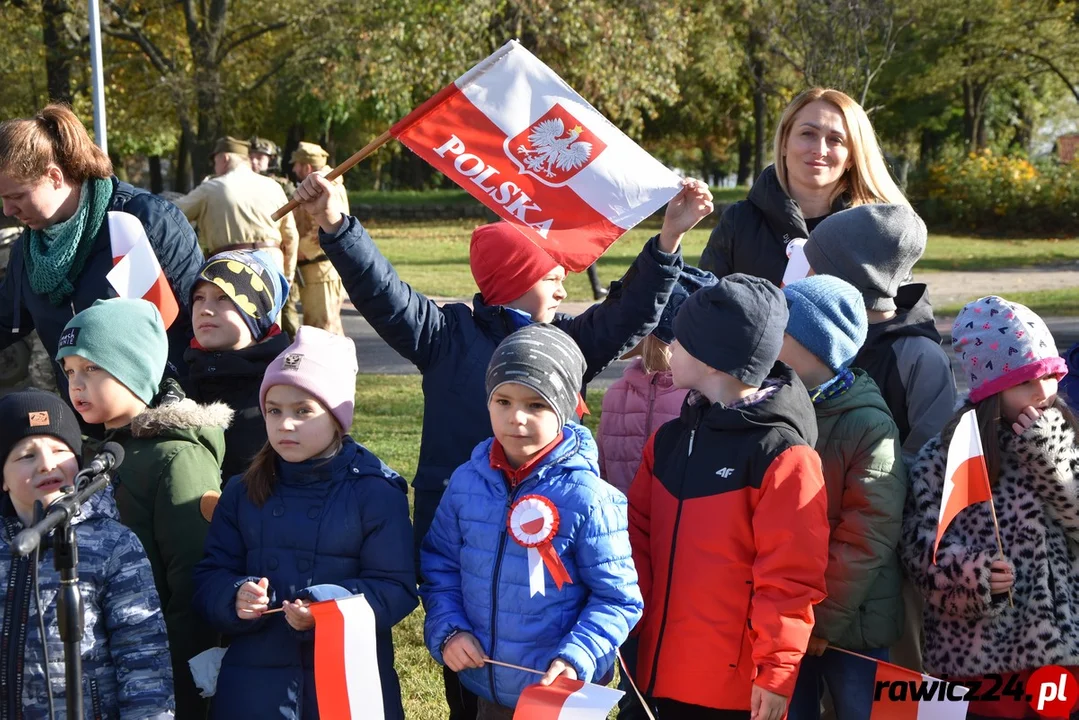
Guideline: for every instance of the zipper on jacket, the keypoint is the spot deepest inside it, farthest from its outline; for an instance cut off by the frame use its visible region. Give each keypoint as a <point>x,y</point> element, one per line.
<point>95,700</point>
<point>16,621</point>
<point>651,408</point>
<point>651,687</point>
<point>503,536</point>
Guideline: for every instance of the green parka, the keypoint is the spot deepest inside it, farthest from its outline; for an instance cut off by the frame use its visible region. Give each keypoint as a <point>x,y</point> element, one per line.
<point>167,489</point>
<point>858,444</point>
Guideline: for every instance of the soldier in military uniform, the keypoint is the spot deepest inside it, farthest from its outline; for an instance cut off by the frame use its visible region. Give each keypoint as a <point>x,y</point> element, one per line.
<point>233,210</point>
<point>266,160</point>
<point>322,292</point>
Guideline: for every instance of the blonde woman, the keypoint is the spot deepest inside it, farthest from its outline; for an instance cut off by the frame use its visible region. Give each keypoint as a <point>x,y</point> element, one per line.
<point>826,159</point>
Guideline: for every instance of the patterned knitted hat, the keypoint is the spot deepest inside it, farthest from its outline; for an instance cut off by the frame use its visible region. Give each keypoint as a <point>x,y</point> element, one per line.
<point>253,283</point>
<point>545,359</point>
<point>1002,344</point>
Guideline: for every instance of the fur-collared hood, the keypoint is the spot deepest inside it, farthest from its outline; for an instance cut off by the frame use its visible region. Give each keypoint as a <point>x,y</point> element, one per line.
<point>968,631</point>
<point>185,414</point>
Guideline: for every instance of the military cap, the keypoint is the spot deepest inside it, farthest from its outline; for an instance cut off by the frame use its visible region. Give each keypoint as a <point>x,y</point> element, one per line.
<point>310,154</point>
<point>229,144</point>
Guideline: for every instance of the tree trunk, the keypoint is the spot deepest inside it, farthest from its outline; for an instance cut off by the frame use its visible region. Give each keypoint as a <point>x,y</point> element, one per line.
<point>184,176</point>
<point>58,54</point>
<point>760,105</point>
<point>157,181</point>
<point>745,158</point>
<point>208,98</point>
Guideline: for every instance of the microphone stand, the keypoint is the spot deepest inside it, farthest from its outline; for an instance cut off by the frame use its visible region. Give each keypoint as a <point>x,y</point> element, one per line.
<point>69,610</point>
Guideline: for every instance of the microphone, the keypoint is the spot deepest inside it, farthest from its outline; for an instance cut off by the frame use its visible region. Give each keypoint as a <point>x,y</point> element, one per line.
<point>110,457</point>
<point>64,508</point>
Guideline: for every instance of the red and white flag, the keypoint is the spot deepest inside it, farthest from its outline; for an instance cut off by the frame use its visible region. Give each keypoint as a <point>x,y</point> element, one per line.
<point>521,141</point>
<point>347,683</point>
<point>566,699</point>
<point>966,479</point>
<point>136,272</point>
<point>901,694</point>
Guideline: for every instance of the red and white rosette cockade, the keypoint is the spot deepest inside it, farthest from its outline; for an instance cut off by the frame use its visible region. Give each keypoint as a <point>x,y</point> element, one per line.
<point>533,523</point>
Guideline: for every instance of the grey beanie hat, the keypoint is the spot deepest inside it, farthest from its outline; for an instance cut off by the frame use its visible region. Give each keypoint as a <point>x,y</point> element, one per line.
<point>545,359</point>
<point>873,247</point>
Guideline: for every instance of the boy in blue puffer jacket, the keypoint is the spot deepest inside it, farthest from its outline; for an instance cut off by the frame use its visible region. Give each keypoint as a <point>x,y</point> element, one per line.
<point>528,558</point>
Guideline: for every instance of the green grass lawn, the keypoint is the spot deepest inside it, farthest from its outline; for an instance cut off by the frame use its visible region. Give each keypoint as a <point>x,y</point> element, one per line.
<point>1047,303</point>
<point>433,257</point>
<point>389,410</point>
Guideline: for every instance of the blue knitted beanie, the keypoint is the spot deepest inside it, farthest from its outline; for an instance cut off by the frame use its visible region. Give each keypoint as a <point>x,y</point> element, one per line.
<point>827,317</point>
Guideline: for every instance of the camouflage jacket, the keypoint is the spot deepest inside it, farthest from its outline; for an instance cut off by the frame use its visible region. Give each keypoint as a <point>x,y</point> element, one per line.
<point>125,655</point>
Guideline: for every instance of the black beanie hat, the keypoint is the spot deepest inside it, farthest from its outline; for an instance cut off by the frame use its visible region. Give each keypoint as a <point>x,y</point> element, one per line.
<point>36,412</point>
<point>736,326</point>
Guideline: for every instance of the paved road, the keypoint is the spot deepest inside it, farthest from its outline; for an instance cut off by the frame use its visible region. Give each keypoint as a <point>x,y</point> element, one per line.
<point>377,357</point>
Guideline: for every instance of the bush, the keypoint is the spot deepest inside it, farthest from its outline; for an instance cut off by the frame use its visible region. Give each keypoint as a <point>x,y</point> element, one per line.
<point>1000,194</point>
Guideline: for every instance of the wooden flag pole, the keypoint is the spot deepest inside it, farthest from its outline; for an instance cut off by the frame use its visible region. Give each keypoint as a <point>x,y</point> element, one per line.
<point>1000,545</point>
<point>632,684</point>
<point>339,171</point>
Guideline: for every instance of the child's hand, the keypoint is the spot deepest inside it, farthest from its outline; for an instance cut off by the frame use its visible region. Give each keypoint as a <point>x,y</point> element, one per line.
<point>817,646</point>
<point>322,201</point>
<point>558,668</point>
<point>767,705</point>
<point>463,651</point>
<point>298,615</point>
<point>252,600</point>
<point>688,208</point>
<point>1026,418</point>
<point>1001,577</point>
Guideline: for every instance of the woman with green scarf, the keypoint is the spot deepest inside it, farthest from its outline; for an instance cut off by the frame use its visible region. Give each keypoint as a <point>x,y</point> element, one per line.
<point>60,185</point>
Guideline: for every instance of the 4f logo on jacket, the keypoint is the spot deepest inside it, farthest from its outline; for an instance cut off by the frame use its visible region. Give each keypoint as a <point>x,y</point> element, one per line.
<point>725,472</point>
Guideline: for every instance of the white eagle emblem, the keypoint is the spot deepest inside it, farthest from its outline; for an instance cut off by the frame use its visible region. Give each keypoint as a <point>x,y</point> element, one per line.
<point>554,149</point>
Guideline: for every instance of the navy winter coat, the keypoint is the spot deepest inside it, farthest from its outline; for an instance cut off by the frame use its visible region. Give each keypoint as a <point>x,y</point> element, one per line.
<point>476,575</point>
<point>125,655</point>
<point>452,345</point>
<point>332,528</point>
<point>174,243</point>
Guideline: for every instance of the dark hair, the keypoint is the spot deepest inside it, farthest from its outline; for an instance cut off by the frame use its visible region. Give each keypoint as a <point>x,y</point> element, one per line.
<point>261,476</point>
<point>54,136</point>
<point>987,411</point>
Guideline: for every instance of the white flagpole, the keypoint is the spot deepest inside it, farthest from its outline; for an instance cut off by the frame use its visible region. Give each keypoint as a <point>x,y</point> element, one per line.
<point>97,79</point>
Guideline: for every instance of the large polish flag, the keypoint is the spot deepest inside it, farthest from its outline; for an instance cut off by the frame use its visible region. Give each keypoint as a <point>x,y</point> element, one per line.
<point>136,272</point>
<point>347,682</point>
<point>519,139</point>
<point>566,699</point>
<point>966,479</point>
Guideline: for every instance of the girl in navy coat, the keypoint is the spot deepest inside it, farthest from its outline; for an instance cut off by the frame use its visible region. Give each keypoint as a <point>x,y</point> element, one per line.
<point>316,517</point>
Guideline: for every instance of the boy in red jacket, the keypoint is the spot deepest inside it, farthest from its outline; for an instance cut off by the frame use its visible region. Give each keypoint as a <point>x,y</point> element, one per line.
<point>728,516</point>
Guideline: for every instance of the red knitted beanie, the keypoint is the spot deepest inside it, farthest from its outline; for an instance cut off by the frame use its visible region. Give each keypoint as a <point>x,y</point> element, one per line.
<point>505,263</point>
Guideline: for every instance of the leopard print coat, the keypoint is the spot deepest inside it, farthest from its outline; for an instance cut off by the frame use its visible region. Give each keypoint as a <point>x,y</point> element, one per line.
<point>968,632</point>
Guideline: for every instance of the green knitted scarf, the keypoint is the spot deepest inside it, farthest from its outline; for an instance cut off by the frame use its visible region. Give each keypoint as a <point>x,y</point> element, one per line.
<point>57,254</point>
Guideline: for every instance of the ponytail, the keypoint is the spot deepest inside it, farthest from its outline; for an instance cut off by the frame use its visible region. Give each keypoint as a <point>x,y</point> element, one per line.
<point>261,476</point>
<point>54,136</point>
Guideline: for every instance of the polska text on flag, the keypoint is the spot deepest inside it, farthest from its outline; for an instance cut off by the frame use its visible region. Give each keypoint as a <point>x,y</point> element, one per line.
<point>521,141</point>
<point>566,699</point>
<point>136,272</point>
<point>347,682</point>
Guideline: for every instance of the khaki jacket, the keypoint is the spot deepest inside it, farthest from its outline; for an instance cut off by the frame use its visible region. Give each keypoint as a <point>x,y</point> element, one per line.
<point>316,272</point>
<point>236,208</point>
